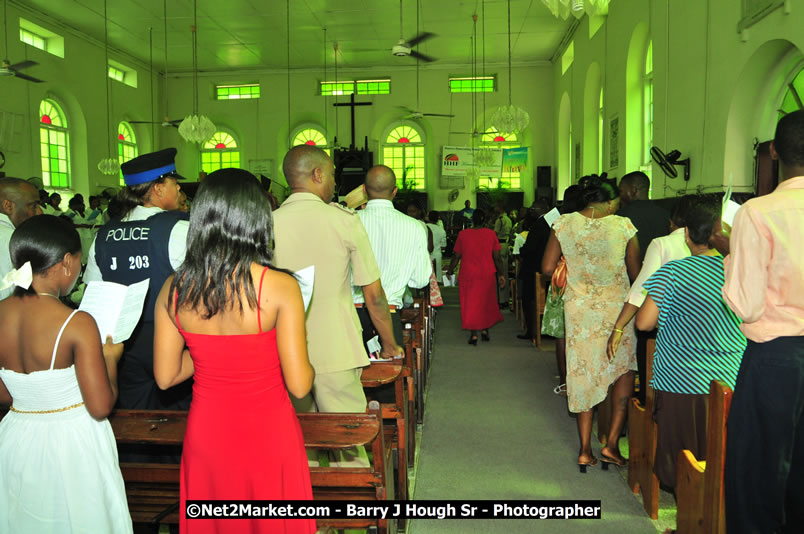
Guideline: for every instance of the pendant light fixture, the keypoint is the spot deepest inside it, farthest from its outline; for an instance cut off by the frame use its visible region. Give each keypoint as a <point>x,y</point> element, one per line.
<point>196,128</point>
<point>109,165</point>
<point>510,119</point>
<point>577,8</point>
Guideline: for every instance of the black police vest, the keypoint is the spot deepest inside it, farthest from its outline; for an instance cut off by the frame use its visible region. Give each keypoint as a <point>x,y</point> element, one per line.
<point>130,252</point>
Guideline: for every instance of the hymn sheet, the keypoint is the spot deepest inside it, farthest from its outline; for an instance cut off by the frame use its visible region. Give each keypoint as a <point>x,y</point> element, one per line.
<point>116,308</point>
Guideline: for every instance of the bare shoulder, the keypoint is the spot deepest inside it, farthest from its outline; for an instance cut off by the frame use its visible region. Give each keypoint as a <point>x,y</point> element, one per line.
<point>84,321</point>
<point>281,282</point>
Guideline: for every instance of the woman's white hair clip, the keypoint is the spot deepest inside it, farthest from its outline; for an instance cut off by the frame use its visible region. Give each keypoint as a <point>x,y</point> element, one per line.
<point>22,277</point>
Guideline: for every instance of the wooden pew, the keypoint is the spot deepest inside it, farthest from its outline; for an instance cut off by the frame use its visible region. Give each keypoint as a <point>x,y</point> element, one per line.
<point>699,484</point>
<point>153,489</point>
<point>642,442</point>
<point>396,433</point>
<point>413,334</point>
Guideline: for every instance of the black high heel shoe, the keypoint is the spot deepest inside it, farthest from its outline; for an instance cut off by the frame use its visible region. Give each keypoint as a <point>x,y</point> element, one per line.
<point>473,340</point>
<point>485,336</point>
<point>590,463</point>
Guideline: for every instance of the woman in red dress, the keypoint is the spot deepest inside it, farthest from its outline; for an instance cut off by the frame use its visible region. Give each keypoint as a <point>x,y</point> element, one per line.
<point>478,250</point>
<point>243,324</point>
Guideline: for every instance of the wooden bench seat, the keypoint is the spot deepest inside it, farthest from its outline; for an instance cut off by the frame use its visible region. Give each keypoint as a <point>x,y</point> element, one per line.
<point>642,442</point>
<point>393,414</point>
<point>699,484</point>
<point>153,489</point>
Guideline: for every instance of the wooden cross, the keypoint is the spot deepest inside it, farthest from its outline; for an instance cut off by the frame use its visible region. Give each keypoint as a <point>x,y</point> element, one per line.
<point>352,105</point>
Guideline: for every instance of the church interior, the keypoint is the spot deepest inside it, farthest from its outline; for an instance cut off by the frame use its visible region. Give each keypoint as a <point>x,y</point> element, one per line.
<point>602,82</point>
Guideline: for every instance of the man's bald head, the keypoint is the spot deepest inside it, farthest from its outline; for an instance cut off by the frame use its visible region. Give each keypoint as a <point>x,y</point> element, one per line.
<point>380,183</point>
<point>300,162</point>
<point>19,200</point>
<point>634,186</point>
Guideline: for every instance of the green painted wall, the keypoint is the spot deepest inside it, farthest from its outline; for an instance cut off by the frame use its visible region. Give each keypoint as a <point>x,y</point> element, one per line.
<point>715,89</point>
<point>76,82</point>
<point>262,125</point>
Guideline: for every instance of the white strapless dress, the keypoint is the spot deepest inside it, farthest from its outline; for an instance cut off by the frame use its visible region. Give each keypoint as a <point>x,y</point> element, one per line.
<point>59,471</point>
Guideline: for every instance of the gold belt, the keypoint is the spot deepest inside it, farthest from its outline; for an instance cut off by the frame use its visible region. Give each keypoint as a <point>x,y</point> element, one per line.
<point>48,411</point>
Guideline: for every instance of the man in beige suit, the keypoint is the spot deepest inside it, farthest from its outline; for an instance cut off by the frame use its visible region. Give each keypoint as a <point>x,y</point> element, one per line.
<point>308,231</point>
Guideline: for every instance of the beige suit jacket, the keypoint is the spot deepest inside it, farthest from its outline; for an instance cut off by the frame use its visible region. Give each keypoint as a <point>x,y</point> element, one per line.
<point>309,232</point>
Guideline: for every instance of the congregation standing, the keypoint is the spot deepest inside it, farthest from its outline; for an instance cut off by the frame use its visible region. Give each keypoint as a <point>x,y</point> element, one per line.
<point>222,282</point>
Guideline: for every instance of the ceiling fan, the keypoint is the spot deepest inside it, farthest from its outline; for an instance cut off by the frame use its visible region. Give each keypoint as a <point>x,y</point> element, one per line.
<point>14,70</point>
<point>415,113</point>
<point>164,122</point>
<point>6,68</point>
<point>404,47</point>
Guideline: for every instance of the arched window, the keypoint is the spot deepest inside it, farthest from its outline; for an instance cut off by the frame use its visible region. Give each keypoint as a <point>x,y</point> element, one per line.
<point>507,180</point>
<point>126,145</point>
<point>311,136</point>
<point>793,96</point>
<point>600,134</point>
<point>403,151</point>
<point>220,152</point>
<point>647,102</point>
<point>54,143</point>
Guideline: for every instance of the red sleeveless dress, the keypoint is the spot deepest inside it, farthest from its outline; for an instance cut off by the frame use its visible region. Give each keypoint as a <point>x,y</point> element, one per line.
<point>243,438</point>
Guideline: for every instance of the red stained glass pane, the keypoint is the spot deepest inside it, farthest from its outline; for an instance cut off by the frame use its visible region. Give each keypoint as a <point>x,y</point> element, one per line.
<point>499,139</point>
<point>220,145</point>
<point>121,137</point>
<point>403,140</point>
<point>310,142</point>
<point>46,119</point>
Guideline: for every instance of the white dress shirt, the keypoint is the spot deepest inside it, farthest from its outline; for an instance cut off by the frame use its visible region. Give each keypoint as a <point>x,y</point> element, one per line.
<point>660,251</point>
<point>6,229</point>
<point>399,243</point>
<point>177,245</point>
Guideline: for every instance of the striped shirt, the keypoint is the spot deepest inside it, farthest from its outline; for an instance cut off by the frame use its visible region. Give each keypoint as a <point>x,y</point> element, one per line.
<point>699,336</point>
<point>399,243</point>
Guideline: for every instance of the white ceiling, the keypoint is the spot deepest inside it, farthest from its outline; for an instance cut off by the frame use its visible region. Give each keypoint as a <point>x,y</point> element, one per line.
<point>252,34</point>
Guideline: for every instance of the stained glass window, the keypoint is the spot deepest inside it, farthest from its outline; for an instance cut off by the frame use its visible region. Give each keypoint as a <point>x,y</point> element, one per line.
<point>313,137</point>
<point>507,180</point>
<point>126,145</point>
<point>54,143</point>
<point>374,87</point>
<point>479,84</point>
<point>647,100</point>
<point>793,96</point>
<point>403,151</point>
<point>117,74</point>
<point>600,134</point>
<point>237,92</point>
<point>29,37</point>
<point>360,87</point>
<point>220,152</point>
<point>337,88</point>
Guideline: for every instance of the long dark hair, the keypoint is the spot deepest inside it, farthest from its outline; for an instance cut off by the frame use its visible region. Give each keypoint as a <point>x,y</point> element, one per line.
<point>42,240</point>
<point>230,228</point>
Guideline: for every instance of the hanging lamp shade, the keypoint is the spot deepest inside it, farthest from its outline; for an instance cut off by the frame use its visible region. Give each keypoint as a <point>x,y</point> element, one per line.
<point>577,8</point>
<point>510,119</point>
<point>109,166</point>
<point>196,129</point>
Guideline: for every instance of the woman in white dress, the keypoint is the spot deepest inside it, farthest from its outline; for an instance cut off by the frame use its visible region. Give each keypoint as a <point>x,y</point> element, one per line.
<point>58,458</point>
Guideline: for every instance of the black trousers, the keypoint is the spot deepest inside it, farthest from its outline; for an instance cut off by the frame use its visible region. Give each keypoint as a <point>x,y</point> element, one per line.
<point>384,393</point>
<point>641,358</point>
<point>764,475</point>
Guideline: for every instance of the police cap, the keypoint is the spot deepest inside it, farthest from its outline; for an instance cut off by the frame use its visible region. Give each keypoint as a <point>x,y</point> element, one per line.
<point>150,167</point>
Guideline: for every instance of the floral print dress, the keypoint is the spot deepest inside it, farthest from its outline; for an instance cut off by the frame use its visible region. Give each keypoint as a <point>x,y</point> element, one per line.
<point>597,286</point>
